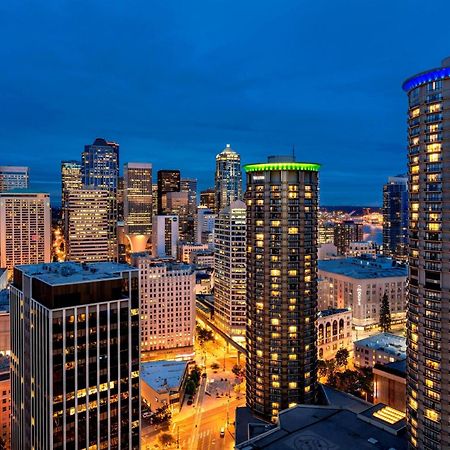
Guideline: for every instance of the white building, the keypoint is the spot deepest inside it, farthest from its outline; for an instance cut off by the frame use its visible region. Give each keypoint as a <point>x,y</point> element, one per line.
<point>327,251</point>
<point>87,225</point>
<point>334,331</point>
<point>204,226</point>
<point>167,300</point>
<point>361,248</point>
<point>25,229</point>
<point>13,177</point>
<point>165,236</point>
<point>230,278</point>
<point>359,284</point>
<point>185,250</point>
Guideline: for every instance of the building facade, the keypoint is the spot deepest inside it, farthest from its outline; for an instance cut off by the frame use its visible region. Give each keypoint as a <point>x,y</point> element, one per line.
<point>428,324</point>
<point>87,226</point>
<point>230,270</point>
<point>389,384</point>
<point>282,201</point>
<point>13,177</point>
<point>204,226</point>
<point>208,199</point>
<point>25,229</point>
<point>228,178</point>
<point>100,170</point>
<point>70,182</point>
<point>168,181</point>
<point>167,304</point>
<point>75,356</point>
<point>137,205</point>
<point>186,249</point>
<point>165,236</point>
<point>334,331</point>
<point>395,217</point>
<point>360,284</point>
<point>189,185</point>
<point>346,232</point>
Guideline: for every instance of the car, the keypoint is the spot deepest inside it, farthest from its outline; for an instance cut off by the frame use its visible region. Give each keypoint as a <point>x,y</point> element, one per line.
<point>222,432</point>
<point>146,415</point>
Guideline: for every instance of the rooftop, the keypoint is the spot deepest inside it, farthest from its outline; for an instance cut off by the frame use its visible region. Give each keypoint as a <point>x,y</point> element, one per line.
<point>162,376</point>
<point>330,427</point>
<point>364,267</point>
<point>169,263</point>
<point>332,311</point>
<point>395,368</point>
<point>60,273</point>
<point>386,342</point>
<point>282,166</point>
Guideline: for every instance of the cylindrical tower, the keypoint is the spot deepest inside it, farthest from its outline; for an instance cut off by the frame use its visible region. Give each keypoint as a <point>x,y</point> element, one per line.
<point>428,319</point>
<point>282,201</point>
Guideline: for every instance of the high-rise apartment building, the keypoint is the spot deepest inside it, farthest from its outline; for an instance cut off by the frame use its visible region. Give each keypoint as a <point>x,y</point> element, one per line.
<point>346,232</point>
<point>25,228</point>
<point>167,304</point>
<point>13,177</point>
<point>208,199</point>
<point>168,181</point>
<point>70,182</point>
<point>395,217</point>
<point>87,226</point>
<point>282,202</point>
<point>75,356</point>
<point>100,170</point>
<point>189,185</point>
<point>138,204</point>
<point>228,178</point>
<point>230,270</point>
<point>428,319</point>
<point>165,236</point>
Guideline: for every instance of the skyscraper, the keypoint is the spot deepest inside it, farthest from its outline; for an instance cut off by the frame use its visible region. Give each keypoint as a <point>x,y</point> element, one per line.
<point>208,199</point>
<point>75,356</point>
<point>165,235</point>
<point>282,198</point>
<point>189,185</point>
<point>13,177</point>
<point>70,182</point>
<point>25,228</point>
<point>346,232</point>
<point>168,181</point>
<point>228,178</point>
<point>100,170</point>
<point>230,270</point>
<point>395,217</point>
<point>138,204</point>
<point>428,320</point>
<point>87,225</point>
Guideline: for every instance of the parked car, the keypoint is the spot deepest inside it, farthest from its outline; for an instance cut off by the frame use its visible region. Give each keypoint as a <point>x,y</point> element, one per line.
<point>222,432</point>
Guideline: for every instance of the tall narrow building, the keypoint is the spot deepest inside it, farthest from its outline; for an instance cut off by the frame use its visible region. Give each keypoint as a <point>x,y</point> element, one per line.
<point>208,199</point>
<point>87,226</point>
<point>168,181</point>
<point>189,185</point>
<point>13,177</point>
<point>395,217</point>
<point>428,318</point>
<point>230,270</point>
<point>228,178</point>
<point>70,182</point>
<point>25,228</point>
<point>100,170</point>
<point>165,234</point>
<point>75,356</point>
<point>282,202</point>
<point>345,233</point>
<point>138,204</point>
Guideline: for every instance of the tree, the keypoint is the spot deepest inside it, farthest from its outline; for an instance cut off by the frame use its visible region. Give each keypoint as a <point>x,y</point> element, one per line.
<point>237,370</point>
<point>385,314</point>
<point>322,368</point>
<point>166,439</point>
<point>214,366</point>
<point>342,357</point>
<point>190,387</point>
<point>195,375</point>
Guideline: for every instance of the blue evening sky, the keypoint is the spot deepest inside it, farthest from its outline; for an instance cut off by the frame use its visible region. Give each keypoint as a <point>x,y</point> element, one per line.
<point>174,81</point>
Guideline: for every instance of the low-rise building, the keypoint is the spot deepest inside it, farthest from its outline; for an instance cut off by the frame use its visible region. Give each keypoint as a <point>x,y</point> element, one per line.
<point>202,258</point>
<point>203,282</point>
<point>334,331</point>
<point>185,250</point>
<point>162,383</point>
<point>382,348</point>
<point>360,284</point>
<point>361,248</point>
<point>327,251</point>
<point>389,384</point>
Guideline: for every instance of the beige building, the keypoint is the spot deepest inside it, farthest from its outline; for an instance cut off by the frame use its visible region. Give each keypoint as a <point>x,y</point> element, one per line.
<point>87,225</point>
<point>334,331</point>
<point>361,248</point>
<point>359,284</point>
<point>165,233</point>
<point>25,229</point>
<point>167,300</point>
<point>389,384</point>
<point>185,251</point>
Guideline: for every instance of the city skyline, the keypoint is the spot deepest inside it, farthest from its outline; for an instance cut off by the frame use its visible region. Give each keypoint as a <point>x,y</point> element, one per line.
<point>211,88</point>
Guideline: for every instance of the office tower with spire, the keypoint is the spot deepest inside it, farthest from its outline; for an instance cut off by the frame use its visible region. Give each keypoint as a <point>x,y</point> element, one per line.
<point>168,181</point>
<point>138,204</point>
<point>428,317</point>
<point>228,178</point>
<point>230,270</point>
<point>25,228</point>
<point>282,222</point>
<point>395,217</point>
<point>75,356</point>
<point>13,177</point>
<point>100,170</point>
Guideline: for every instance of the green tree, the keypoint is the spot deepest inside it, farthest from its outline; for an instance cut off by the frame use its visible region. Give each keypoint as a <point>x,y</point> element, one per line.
<point>322,368</point>
<point>190,387</point>
<point>342,357</point>
<point>166,439</point>
<point>385,314</point>
<point>195,375</point>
